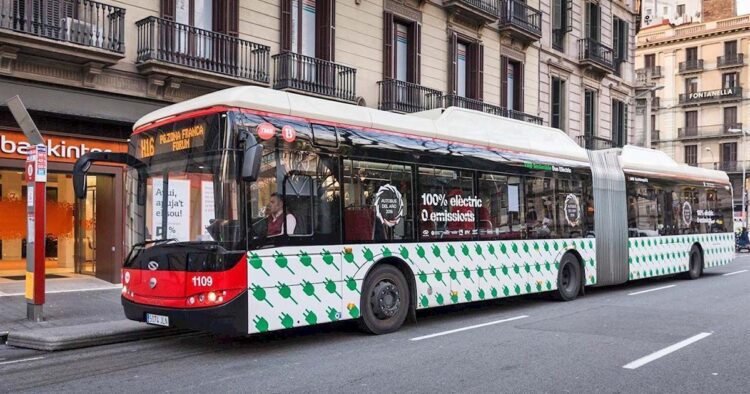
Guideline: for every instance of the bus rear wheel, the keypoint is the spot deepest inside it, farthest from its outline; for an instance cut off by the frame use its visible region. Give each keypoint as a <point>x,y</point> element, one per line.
<point>695,269</point>
<point>385,300</point>
<point>568,279</point>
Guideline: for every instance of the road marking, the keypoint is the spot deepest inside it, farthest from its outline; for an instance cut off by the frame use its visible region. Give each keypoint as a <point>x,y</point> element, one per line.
<point>663,352</point>
<point>650,290</point>
<point>23,360</point>
<point>65,291</point>
<point>437,334</point>
<point>735,272</point>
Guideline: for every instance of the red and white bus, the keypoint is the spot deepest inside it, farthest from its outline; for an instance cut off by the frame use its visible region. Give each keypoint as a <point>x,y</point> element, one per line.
<point>251,210</point>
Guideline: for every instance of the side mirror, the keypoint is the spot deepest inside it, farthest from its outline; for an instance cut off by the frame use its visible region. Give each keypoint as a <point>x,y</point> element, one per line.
<point>80,170</point>
<point>251,162</point>
<point>83,164</point>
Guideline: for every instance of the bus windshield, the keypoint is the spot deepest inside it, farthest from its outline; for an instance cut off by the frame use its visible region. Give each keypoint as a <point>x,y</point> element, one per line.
<point>189,190</point>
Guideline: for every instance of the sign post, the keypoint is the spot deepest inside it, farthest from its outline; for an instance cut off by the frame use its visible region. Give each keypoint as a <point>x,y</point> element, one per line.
<point>35,175</point>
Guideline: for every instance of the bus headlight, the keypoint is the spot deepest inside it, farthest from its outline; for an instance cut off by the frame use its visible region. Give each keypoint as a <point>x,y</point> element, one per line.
<point>211,296</point>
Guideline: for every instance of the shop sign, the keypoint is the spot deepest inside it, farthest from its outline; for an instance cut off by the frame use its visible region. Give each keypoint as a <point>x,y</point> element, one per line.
<point>13,145</point>
<point>709,94</point>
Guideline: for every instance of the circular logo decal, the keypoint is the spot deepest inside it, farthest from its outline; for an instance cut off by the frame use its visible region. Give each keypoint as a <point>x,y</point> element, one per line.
<point>572,210</point>
<point>687,213</point>
<point>288,133</point>
<point>153,265</point>
<point>266,131</point>
<point>389,205</point>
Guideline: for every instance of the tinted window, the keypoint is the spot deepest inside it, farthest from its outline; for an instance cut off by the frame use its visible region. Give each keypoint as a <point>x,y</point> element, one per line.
<point>502,207</point>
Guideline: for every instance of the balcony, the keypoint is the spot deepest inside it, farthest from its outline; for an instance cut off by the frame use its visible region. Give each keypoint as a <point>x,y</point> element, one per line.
<point>593,54</point>
<point>691,66</point>
<point>202,56</point>
<point>78,31</point>
<point>520,21</point>
<point>316,77</point>
<point>727,166</point>
<point>593,142</point>
<point>481,11</point>
<point>406,97</point>
<point>454,100</point>
<point>644,77</point>
<point>736,60</point>
<point>709,132</point>
<point>711,96</point>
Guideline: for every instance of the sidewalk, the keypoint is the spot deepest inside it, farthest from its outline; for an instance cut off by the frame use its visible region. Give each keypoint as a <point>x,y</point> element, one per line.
<point>78,312</point>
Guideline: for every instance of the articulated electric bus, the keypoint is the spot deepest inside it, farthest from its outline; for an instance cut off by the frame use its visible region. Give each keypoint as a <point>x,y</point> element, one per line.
<point>251,210</point>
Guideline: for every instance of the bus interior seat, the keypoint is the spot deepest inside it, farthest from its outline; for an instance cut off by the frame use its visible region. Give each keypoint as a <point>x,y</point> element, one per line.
<point>359,224</point>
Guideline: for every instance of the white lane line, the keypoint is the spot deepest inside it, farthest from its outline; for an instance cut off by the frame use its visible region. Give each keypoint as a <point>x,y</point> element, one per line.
<point>65,291</point>
<point>650,290</point>
<point>735,272</point>
<point>23,360</point>
<point>437,334</point>
<point>663,352</point>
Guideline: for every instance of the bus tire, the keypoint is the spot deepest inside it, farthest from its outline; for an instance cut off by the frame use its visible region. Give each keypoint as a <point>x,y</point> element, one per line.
<point>385,301</point>
<point>569,279</point>
<point>695,268</point>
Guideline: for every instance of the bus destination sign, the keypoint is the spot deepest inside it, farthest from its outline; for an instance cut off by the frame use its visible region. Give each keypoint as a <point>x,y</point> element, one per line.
<point>161,141</point>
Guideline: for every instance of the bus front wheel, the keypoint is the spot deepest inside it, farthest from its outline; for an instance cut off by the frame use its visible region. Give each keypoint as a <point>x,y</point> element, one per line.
<point>385,300</point>
<point>568,279</point>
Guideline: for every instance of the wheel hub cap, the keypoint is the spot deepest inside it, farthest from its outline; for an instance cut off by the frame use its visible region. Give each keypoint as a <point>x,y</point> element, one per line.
<point>385,300</point>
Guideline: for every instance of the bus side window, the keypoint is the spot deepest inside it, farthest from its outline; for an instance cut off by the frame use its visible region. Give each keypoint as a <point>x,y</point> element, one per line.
<point>326,136</point>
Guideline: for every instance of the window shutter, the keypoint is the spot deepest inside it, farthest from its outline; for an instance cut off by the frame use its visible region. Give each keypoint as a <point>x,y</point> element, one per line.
<point>326,26</point>
<point>557,13</point>
<point>479,89</point>
<point>232,18</point>
<point>388,58</point>
<point>521,79</point>
<point>452,66</point>
<point>286,25</point>
<point>168,9</point>
<point>503,81</point>
<point>416,49</point>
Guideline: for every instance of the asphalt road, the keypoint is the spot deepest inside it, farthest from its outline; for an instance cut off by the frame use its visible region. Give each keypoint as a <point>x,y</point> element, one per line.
<point>695,332</point>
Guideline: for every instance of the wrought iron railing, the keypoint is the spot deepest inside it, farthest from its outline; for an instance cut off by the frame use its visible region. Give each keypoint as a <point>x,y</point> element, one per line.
<point>592,142</point>
<point>454,100</point>
<point>82,22</point>
<point>517,13</point>
<point>407,97</point>
<point>691,65</point>
<point>728,165</point>
<point>738,59</point>
<point>176,43</point>
<point>315,76</point>
<point>710,131</point>
<point>596,52</point>
<point>488,6</point>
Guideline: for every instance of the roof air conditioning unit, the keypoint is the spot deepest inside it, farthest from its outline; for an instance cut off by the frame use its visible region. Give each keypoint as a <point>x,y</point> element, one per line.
<point>80,32</point>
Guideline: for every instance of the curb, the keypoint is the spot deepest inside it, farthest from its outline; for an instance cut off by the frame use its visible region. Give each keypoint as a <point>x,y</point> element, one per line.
<point>86,335</point>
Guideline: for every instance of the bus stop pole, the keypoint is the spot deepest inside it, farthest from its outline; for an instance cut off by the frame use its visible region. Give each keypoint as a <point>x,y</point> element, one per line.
<point>35,174</point>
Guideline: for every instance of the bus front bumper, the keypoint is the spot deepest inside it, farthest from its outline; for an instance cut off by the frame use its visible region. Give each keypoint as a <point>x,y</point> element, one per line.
<point>228,319</point>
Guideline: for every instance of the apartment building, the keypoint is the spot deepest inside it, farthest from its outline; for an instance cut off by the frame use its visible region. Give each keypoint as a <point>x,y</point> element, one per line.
<point>695,76</point>
<point>89,69</point>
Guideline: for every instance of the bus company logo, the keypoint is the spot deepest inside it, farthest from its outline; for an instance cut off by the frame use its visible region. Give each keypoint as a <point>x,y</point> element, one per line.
<point>687,213</point>
<point>153,265</point>
<point>389,205</point>
<point>572,210</point>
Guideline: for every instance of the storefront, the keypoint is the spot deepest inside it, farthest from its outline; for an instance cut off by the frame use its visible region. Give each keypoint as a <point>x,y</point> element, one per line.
<point>82,236</point>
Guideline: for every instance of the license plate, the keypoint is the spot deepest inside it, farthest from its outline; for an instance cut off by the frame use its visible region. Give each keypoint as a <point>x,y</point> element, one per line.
<point>157,320</point>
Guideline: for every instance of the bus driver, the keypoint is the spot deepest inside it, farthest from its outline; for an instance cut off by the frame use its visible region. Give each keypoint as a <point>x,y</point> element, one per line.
<point>275,211</point>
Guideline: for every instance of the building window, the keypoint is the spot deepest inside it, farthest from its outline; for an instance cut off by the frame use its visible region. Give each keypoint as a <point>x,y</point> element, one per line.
<point>557,110</point>
<point>691,54</point>
<point>649,61</point>
<point>204,15</point>
<point>728,156</point>
<point>593,21</point>
<point>619,123</point>
<point>691,123</point>
<point>466,67</point>
<point>730,49</point>
<point>589,123</point>
<point>561,16</point>
<point>511,84</point>
<point>620,40</point>
<point>691,85</point>
<point>307,28</point>
<point>730,118</point>
<point>680,10</point>
<point>691,155</point>
<point>729,80</point>
<point>401,49</point>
